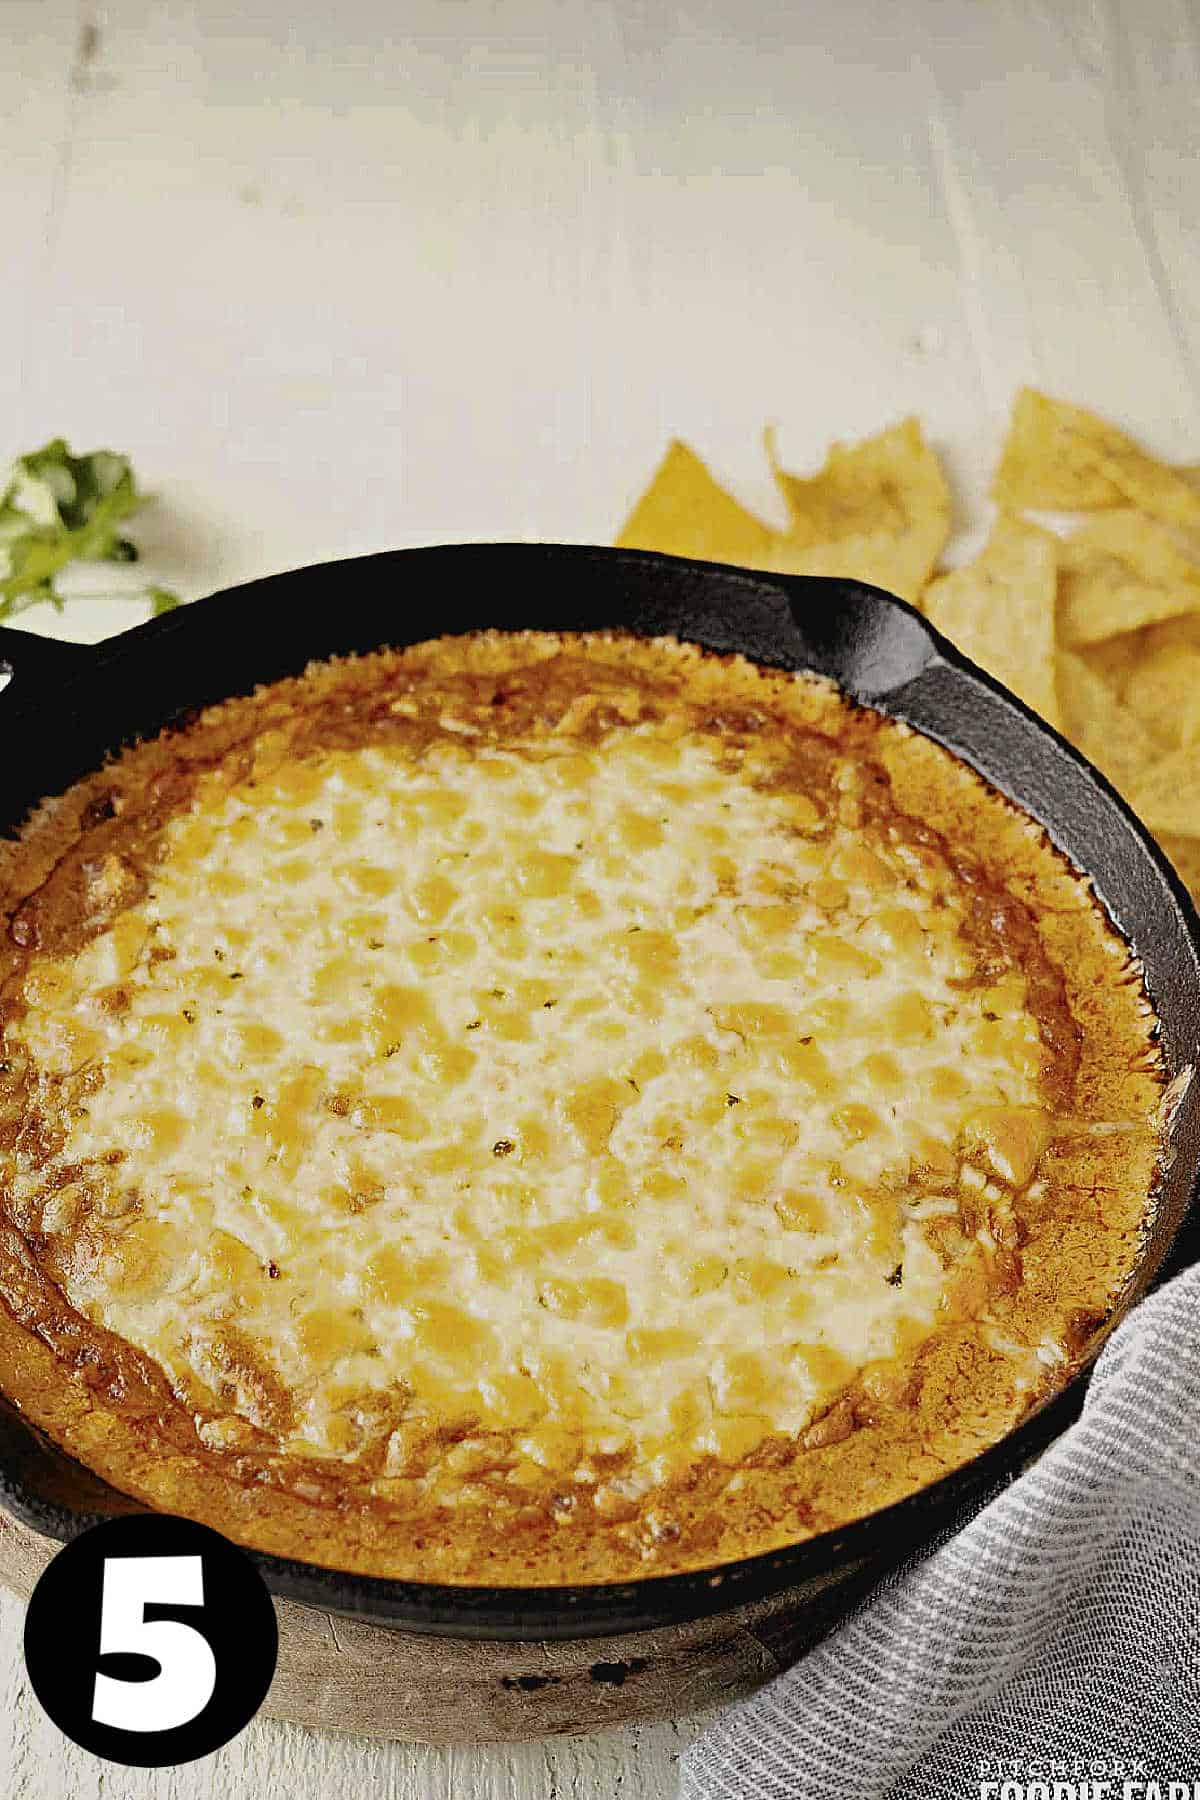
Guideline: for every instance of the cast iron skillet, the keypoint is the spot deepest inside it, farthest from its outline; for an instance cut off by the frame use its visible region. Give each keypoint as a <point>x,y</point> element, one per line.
<point>68,707</point>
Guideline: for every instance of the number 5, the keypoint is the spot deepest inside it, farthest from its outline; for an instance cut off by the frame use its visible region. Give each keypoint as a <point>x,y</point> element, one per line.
<point>187,1670</point>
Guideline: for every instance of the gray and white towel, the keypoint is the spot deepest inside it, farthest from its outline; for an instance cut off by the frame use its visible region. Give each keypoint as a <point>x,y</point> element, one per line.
<point>1055,1634</point>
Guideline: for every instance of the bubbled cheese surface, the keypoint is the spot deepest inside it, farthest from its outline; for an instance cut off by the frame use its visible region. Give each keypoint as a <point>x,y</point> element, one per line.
<point>574,1090</point>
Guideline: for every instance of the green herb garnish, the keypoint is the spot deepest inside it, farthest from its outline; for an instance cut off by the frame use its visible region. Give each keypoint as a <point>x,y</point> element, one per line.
<point>57,508</point>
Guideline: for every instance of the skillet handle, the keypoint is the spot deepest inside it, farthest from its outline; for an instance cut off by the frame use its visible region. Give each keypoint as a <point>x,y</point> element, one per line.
<point>871,643</point>
<point>33,667</point>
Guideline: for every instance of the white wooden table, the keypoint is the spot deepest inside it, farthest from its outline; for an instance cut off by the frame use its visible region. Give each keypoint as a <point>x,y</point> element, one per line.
<point>347,274</point>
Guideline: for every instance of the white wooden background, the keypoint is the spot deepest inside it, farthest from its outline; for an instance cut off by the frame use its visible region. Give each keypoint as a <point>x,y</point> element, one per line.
<point>344,274</point>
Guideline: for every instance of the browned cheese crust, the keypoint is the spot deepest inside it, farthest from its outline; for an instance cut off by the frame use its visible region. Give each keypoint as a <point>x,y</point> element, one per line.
<point>1034,1256</point>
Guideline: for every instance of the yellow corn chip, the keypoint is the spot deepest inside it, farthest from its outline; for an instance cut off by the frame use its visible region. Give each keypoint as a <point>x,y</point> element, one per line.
<point>1098,723</point>
<point>685,512</point>
<point>1000,611</point>
<point>1167,795</point>
<point>1119,572</point>
<point>1163,787</point>
<point>877,511</point>
<point>1163,689</point>
<point>1182,633</point>
<point>1154,487</point>
<point>1184,852</point>
<point>1115,659</point>
<point>1155,672</point>
<point>1048,460</point>
<point>1062,456</point>
<point>878,560</point>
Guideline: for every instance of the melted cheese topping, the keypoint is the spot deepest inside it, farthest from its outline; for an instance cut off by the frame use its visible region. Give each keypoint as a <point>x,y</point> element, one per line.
<point>574,1092</point>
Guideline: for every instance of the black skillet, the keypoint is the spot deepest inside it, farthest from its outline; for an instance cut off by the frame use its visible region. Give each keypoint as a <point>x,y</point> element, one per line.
<point>67,707</point>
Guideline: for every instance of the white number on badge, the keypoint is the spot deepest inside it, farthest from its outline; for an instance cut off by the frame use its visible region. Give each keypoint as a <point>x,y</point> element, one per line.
<point>187,1671</point>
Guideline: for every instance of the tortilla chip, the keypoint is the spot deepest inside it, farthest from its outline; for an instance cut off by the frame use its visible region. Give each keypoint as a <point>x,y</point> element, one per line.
<point>1155,672</point>
<point>877,511</point>
<point>999,610</point>
<point>1062,456</point>
<point>1163,787</point>
<point>1182,633</point>
<point>1154,487</point>
<point>1163,689</point>
<point>1119,572</point>
<point>1184,852</point>
<point>685,512</point>
<point>880,561</point>
<point>1047,460</point>
<point>1114,659</point>
<point>1167,796</point>
<point>1097,722</point>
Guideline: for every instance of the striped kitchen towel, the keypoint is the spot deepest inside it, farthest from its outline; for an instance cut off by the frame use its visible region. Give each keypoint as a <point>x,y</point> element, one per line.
<point>1055,1637</point>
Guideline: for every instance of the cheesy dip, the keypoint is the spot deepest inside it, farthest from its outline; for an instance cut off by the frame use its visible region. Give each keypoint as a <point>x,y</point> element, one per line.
<point>533,1109</point>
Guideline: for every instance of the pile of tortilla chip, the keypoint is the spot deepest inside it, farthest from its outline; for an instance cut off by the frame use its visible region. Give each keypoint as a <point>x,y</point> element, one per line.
<point>1096,625</point>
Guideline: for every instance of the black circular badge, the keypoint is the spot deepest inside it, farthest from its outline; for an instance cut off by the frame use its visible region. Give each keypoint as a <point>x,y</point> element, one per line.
<point>151,1640</point>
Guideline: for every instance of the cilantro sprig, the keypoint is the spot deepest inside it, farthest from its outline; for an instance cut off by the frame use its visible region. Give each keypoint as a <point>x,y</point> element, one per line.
<point>57,508</point>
